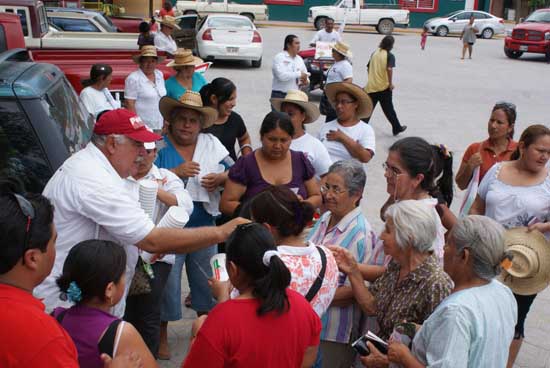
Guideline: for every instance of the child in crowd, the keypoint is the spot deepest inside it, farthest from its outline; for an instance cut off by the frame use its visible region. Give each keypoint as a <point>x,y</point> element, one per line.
<point>423,37</point>
<point>146,37</point>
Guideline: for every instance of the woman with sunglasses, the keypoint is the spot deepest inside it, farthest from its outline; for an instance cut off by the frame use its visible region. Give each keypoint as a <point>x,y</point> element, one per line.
<point>267,324</point>
<point>498,147</point>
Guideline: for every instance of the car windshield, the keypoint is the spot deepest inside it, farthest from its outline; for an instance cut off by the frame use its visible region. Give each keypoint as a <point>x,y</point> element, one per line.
<point>229,23</point>
<point>539,17</point>
<point>451,14</point>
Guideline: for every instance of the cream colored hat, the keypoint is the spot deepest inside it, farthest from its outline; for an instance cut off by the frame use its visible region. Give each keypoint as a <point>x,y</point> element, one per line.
<point>365,104</point>
<point>343,49</point>
<point>529,272</point>
<point>169,21</point>
<point>298,98</point>
<point>148,50</point>
<point>190,100</point>
<point>184,57</point>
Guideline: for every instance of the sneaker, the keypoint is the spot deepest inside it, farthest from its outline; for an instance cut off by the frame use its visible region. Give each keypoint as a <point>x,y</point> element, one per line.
<point>400,130</point>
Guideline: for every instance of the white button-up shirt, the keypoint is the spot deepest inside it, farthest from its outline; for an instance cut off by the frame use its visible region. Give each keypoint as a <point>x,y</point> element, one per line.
<point>286,71</point>
<point>169,182</point>
<point>165,43</point>
<point>147,96</point>
<point>92,202</point>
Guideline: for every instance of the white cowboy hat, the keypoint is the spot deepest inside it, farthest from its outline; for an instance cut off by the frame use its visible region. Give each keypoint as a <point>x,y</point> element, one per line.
<point>184,57</point>
<point>298,98</point>
<point>343,49</point>
<point>529,271</point>
<point>148,50</point>
<point>169,21</point>
<point>364,110</point>
<point>190,100</point>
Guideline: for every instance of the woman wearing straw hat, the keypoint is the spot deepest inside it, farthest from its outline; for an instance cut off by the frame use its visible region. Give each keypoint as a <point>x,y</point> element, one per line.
<point>144,88</point>
<point>186,78</point>
<point>517,193</point>
<point>341,71</point>
<point>301,112</point>
<point>347,137</point>
<point>163,39</point>
<point>201,161</point>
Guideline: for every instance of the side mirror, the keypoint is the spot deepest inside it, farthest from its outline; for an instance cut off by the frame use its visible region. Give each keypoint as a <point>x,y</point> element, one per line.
<point>453,19</point>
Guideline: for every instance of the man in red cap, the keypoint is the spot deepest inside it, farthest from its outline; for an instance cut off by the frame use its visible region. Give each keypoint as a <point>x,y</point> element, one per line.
<point>92,202</point>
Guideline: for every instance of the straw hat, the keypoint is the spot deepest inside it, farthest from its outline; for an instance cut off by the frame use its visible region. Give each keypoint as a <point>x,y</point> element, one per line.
<point>342,48</point>
<point>169,21</point>
<point>184,57</point>
<point>298,98</point>
<point>148,50</point>
<point>191,100</point>
<point>529,272</point>
<point>365,104</point>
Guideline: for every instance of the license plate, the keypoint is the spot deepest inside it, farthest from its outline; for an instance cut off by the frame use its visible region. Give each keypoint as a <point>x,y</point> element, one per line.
<point>523,48</point>
<point>232,50</point>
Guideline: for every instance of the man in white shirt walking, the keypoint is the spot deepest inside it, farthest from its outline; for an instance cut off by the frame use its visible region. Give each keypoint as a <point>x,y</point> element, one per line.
<point>163,39</point>
<point>326,35</point>
<point>288,69</point>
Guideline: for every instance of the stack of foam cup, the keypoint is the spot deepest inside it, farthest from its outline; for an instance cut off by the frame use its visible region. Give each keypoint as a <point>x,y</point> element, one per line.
<point>148,196</point>
<point>175,217</point>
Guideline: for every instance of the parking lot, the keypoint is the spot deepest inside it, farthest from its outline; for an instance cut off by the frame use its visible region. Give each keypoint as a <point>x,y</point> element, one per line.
<point>439,97</point>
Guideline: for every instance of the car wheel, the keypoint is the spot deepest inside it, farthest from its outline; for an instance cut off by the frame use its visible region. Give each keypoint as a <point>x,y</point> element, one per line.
<point>249,16</point>
<point>513,54</point>
<point>487,33</point>
<point>385,27</point>
<point>320,23</point>
<point>442,31</point>
<point>257,63</point>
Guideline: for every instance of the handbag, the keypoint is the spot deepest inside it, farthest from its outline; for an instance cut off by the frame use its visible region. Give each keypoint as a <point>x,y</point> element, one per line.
<point>141,283</point>
<point>316,286</point>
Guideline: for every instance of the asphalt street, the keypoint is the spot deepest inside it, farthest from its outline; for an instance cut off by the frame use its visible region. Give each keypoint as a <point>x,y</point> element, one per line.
<point>438,96</point>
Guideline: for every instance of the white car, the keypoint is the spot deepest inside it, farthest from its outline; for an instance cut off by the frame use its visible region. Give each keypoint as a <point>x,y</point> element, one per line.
<point>229,37</point>
<point>487,24</point>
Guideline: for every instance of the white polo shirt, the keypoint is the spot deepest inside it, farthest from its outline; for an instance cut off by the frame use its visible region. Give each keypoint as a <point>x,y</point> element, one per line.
<point>286,71</point>
<point>361,132</point>
<point>170,183</point>
<point>315,151</point>
<point>324,36</point>
<point>165,43</point>
<point>147,96</point>
<point>92,202</point>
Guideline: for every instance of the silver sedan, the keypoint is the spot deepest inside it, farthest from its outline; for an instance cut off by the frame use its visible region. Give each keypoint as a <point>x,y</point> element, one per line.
<point>487,24</point>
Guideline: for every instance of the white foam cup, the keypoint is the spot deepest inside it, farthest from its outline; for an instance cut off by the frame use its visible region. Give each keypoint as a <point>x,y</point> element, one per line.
<point>217,262</point>
<point>175,217</point>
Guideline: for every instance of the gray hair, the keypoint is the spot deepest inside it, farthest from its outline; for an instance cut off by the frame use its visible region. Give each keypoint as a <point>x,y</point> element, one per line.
<point>177,110</point>
<point>352,172</point>
<point>100,140</point>
<point>484,237</point>
<point>415,224</point>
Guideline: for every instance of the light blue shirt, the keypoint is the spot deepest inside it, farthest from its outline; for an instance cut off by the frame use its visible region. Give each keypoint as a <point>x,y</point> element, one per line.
<point>471,328</point>
<point>175,90</point>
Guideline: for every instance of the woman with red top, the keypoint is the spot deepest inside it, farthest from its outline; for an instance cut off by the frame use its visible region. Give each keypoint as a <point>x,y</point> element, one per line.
<point>167,9</point>
<point>498,147</point>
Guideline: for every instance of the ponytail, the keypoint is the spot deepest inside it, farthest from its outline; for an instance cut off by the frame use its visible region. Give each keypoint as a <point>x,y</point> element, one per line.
<point>220,87</point>
<point>443,189</point>
<point>277,278</point>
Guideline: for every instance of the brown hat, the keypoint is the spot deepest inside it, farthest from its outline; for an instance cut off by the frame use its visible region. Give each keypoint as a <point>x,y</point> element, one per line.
<point>190,100</point>
<point>364,109</point>
<point>147,51</point>
<point>184,57</point>
<point>343,49</point>
<point>298,98</point>
<point>169,21</point>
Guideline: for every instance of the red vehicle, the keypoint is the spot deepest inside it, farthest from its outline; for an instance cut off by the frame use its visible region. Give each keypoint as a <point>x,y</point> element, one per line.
<point>317,68</point>
<point>532,35</point>
<point>126,24</point>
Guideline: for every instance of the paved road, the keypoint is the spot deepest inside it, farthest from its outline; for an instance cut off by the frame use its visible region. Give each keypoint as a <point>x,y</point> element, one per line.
<point>440,97</point>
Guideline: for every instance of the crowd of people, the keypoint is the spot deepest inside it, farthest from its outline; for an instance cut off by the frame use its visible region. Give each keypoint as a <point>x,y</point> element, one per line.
<point>307,274</point>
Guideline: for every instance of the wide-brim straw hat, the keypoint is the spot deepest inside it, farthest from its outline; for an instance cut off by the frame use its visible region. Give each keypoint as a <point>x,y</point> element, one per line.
<point>343,49</point>
<point>150,51</point>
<point>184,57</point>
<point>529,272</point>
<point>169,21</point>
<point>298,98</point>
<point>190,100</point>
<point>364,110</point>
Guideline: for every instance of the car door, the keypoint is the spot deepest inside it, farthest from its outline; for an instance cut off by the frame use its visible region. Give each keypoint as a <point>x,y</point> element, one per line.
<point>458,21</point>
<point>185,37</point>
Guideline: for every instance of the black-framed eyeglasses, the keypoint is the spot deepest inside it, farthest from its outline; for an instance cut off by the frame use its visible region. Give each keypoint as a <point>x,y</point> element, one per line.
<point>28,210</point>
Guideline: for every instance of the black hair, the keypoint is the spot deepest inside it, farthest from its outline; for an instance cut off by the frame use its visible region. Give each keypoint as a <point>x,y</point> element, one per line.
<point>245,248</point>
<point>144,27</point>
<point>278,206</point>
<point>433,161</point>
<point>220,87</point>
<point>167,5</point>
<point>329,18</point>
<point>92,265</point>
<point>530,136</point>
<point>98,116</point>
<point>288,40</point>
<point>13,224</point>
<point>274,120</point>
<point>387,43</point>
<point>510,113</point>
<point>96,72</point>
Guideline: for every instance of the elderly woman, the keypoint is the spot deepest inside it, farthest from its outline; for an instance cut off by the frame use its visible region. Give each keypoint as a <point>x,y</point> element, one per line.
<point>344,225</point>
<point>186,78</point>
<point>347,137</point>
<point>201,161</point>
<point>340,71</point>
<point>144,88</point>
<point>296,105</point>
<point>497,148</point>
<point>96,96</point>
<point>473,327</point>
<point>413,284</point>
<point>272,164</point>
<point>517,193</point>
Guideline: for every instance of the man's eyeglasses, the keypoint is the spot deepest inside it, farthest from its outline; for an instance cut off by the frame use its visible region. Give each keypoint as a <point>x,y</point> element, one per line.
<point>394,171</point>
<point>28,210</point>
<point>335,189</point>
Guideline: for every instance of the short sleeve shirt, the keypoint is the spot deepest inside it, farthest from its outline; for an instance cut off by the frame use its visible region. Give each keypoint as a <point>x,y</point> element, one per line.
<point>488,156</point>
<point>323,36</point>
<point>229,132</point>
<point>361,132</point>
<point>147,96</point>
<point>165,43</point>
<point>97,101</point>
<point>379,63</point>
<point>174,89</point>
<point>340,71</point>
<point>315,151</point>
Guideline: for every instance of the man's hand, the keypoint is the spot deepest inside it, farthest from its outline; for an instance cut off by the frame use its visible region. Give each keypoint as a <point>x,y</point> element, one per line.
<point>344,259</point>
<point>188,169</point>
<point>375,359</point>
<point>230,226</point>
<point>212,181</point>
<point>397,352</point>
<point>130,360</point>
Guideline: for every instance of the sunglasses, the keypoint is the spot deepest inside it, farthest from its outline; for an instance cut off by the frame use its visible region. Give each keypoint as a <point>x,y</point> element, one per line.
<point>28,210</point>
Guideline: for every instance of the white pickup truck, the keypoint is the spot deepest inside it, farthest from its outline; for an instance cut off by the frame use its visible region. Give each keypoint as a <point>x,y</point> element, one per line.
<point>355,12</point>
<point>204,7</point>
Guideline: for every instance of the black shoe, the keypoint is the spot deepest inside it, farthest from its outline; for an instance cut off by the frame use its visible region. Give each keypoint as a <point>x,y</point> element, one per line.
<point>400,130</point>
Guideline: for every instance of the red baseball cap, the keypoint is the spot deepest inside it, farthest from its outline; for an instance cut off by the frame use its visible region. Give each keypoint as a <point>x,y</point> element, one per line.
<point>122,121</point>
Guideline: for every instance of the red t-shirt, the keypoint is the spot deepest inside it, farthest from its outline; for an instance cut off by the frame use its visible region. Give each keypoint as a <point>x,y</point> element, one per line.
<point>164,13</point>
<point>488,156</point>
<point>28,336</point>
<point>234,336</point>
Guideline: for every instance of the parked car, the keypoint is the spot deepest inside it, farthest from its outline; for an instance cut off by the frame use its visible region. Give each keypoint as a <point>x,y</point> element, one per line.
<point>80,20</point>
<point>229,37</point>
<point>384,18</point>
<point>532,35</point>
<point>453,23</point>
<point>204,7</point>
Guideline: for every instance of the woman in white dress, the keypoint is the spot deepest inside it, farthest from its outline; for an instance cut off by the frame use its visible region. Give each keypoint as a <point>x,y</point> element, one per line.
<point>96,97</point>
